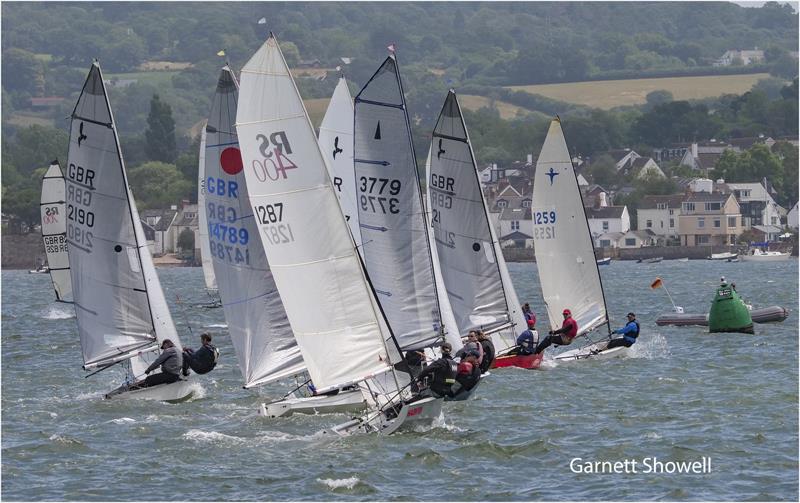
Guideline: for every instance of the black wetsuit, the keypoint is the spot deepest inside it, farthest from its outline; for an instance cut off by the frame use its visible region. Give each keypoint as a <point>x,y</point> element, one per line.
<point>488,355</point>
<point>201,361</point>
<point>465,382</point>
<point>444,372</point>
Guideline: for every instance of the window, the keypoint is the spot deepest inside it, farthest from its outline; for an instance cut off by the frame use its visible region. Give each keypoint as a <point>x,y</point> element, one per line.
<point>605,225</point>
<point>731,221</point>
<point>502,203</point>
<point>515,225</point>
<point>701,239</point>
<point>671,223</point>
<point>688,206</point>
<point>649,224</point>
<point>605,243</point>
<point>661,206</point>
<point>717,223</point>
<point>526,203</point>
<point>713,206</point>
<point>671,212</point>
<point>630,241</point>
<point>701,222</point>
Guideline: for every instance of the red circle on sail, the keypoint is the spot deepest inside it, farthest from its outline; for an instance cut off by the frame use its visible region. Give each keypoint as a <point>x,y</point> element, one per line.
<point>231,160</point>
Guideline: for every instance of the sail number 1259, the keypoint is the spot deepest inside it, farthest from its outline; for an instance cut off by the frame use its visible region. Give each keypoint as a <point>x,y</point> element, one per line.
<point>270,216</point>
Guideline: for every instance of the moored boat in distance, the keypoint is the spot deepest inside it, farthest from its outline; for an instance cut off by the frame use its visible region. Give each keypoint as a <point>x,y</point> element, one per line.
<point>604,261</point>
<point>651,260</point>
<point>727,256</point>
<point>759,255</point>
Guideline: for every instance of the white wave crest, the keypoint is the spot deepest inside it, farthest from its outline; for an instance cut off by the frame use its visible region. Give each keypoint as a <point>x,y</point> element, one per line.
<point>61,439</point>
<point>211,437</point>
<point>649,347</point>
<point>122,420</point>
<point>348,483</point>
<point>217,325</point>
<point>58,313</point>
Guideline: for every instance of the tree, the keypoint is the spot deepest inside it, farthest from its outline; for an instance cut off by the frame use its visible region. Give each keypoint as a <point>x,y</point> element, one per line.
<point>158,185</point>
<point>658,97</point>
<point>186,240</point>
<point>603,171</point>
<point>160,133</point>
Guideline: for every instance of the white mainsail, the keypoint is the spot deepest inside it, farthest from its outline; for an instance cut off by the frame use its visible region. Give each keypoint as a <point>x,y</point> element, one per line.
<point>336,142</point>
<point>205,251</point>
<point>565,258</point>
<point>120,307</point>
<point>257,322</point>
<point>53,209</point>
<point>304,233</point>
<point>465,241</point>
<point>394,233</point>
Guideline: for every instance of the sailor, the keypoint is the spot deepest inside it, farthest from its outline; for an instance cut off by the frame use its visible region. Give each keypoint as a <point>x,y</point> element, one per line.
<point>488,351</point>
<point>468,374</point>
<point>472,344</point>
<point>529,315</point>
<point>562,336</point>
<point>525,341</point>
<point>170,361</point>
<point>629,333</point>
<point>203,360</point>
<point>442,371</point>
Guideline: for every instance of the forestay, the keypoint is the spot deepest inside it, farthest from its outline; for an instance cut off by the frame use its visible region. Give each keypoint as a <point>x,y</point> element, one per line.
<point>565,257</point>
<point>308,245</point>
<point>119,303</point>
<point>336,143</point>
<point>54,231</point>
<point>465,243</point>
<point>205,252</point>
<point>393,227</point>
<point>257,323</point>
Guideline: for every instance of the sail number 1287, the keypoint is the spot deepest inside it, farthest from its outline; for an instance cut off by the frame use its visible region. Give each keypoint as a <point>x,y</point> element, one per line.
<point>271,217</point>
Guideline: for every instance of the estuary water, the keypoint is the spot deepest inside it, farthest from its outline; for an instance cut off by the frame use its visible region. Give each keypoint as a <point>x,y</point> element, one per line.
<point>681,395</point>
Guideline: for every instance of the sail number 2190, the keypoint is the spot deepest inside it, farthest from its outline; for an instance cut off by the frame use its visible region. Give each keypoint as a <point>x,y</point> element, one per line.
<point>271,217</point>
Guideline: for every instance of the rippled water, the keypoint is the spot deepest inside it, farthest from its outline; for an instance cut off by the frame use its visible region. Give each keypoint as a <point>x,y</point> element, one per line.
<point>682,394</point>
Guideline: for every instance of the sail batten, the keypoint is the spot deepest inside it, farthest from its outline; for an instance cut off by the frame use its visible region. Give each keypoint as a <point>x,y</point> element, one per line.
<point>305,229</point>
<point>265,346</point>
<point>568,272</point>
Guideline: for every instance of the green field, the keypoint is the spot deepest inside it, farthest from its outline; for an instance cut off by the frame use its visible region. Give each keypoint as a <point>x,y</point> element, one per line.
<point>608,94</point>
<point>157,79</point>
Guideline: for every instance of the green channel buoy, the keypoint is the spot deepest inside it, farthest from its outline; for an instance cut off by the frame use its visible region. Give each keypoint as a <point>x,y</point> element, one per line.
<point>729,312</point>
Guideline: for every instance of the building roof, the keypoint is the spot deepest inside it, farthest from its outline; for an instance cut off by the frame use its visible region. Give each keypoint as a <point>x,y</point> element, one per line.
<point>651,202</point>
<point>515,214</point>
<point>768,229</point>
<point>707,160</point>
<point>515,236</point>
<point>705,197</point>
<point>605,212</point>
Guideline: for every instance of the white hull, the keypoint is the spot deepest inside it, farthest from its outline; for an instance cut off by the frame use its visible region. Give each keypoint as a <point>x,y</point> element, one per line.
<point>420,413</point>
<point>173,392</point>
<point>38,271</point>
<point>594,352</point>
<point>723,256</point>
<point>347,401</point>
<point>780,257</point>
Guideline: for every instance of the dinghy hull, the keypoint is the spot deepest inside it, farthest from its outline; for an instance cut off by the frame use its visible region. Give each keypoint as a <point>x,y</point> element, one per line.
<point>419,413</point>
<point>174,392</point>
<point>521,361</point>
<point>348,401</point>
<point>593,352</point>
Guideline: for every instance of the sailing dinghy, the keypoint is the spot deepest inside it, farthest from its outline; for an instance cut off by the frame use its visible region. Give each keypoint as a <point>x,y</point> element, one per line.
<point>54,231</point>
<point>260,332</point>
<point>568,270</point>
<point>121,311</point>
<point>471,263</point>
<point>337,322</point>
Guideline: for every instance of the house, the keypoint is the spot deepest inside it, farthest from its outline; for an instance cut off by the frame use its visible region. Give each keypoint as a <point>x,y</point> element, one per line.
<point>160,221</point>
<point>659,214</point>
<point>756,202</point>
<point>516,239</point>
<point>747,143</point>
<point>186,218</point>
<point>595,195</point>
<point>517,220</point>
<point>629,239</point>
<point>605,219</point>
<point>643,167</point>
<point>766,233</point>
<point>704,156</point>
<point>746,57</point>
<point>621,157</point>
<point>673,151</point>
<point>709,219</point>
<point>792,218</point>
